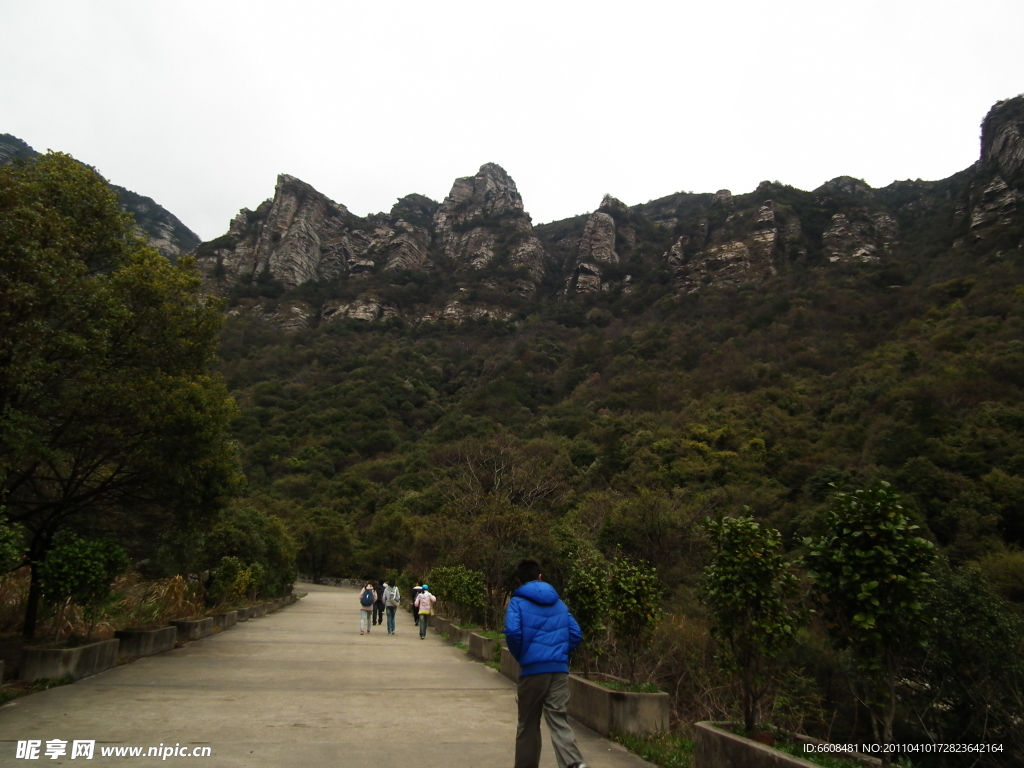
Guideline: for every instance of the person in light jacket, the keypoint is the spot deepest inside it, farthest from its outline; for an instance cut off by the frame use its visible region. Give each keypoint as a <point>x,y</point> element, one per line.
<point>541,633</point>
<point>425,606</point>
<point>392,597</point>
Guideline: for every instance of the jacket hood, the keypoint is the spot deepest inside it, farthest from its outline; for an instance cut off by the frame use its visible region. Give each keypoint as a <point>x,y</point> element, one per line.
<point>539,592</point>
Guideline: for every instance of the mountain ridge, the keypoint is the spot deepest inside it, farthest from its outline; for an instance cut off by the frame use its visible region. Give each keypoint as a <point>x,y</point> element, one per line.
<point>165,231</point>
<point>481,241</point>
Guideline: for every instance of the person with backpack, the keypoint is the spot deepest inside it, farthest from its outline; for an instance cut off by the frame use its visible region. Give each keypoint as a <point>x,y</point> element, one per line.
<point>425,603</point>
<point>366,600</point>
<point>392,598</point>
<point>541,633</point>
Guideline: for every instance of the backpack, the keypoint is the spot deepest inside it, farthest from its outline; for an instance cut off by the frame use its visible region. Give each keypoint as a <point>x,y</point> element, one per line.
<point>367,598</point>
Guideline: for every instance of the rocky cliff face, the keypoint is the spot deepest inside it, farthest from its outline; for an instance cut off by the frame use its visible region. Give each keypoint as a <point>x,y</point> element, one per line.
<point>299,235</point>
<point>599,247</point>
<point>483,219</point>
<point>477,256</point>
<point>163,229</point>
<point>733,244</point>
<point>996,198</point>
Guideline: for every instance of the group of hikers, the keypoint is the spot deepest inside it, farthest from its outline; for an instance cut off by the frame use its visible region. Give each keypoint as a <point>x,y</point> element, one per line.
<point>378,600</point>
<point>541,634</point>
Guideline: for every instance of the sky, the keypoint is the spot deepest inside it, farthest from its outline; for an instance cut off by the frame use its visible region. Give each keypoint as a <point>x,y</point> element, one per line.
<point>200,105</point>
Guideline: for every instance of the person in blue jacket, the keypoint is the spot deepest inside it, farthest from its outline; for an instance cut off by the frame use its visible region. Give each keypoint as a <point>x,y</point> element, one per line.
<point>541,633</point>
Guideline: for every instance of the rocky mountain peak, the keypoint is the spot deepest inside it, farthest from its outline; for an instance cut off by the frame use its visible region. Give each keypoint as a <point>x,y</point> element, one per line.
<point>490,192</point>
<point>722,198</point>
<point>844,185</point>
<point>415,207</point>
<point>483,218</point>
<point>1002,139</point>
<point>298,236</point>
<point>613,206</point>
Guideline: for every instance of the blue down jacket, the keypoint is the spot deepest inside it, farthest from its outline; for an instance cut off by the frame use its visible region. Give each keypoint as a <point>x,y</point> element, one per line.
<point>540,630</point>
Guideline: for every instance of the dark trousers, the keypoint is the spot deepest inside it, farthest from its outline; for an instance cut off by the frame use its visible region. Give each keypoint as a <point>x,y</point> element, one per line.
<point>378,613</point>
<point>547,694</point>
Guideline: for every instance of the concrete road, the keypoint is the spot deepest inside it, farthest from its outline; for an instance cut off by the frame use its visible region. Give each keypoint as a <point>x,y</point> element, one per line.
<point>299,688</point>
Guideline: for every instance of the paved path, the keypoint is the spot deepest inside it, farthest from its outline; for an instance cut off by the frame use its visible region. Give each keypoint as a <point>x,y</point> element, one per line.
<point>299,688</point>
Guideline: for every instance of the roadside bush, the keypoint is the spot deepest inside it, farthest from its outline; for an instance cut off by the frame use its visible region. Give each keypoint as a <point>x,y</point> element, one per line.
<point>747,586</point>
<point>459,589</point>
<point>635,609</point>
<point>81,571</point>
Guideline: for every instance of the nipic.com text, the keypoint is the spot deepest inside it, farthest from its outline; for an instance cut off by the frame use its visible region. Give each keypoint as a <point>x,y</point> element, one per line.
<point>37,749</point>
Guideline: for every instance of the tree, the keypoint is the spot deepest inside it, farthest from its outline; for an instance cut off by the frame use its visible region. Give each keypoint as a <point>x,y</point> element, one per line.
<point>387,540</point>
<point>81,571</point>
<point>635,608</point>
<point>747,586</point>
<point>968,680</point>
<point>11,547</point>
<point>325,543</point>
<point>111,420</point>
<point>459,588</point>
<point>870,576</point>
<point>497,493</point>
<point>257,538</point>
<point>586,594</point>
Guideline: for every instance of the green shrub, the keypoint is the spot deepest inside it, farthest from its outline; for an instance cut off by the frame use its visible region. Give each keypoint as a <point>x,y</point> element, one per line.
<point>81,571</point>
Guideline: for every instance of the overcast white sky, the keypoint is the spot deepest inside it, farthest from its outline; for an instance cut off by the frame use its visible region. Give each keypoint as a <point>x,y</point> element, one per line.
<point>200,105</point>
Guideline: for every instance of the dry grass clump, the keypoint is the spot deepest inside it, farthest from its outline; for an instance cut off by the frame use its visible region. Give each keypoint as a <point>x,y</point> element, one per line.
<point>133,602</point>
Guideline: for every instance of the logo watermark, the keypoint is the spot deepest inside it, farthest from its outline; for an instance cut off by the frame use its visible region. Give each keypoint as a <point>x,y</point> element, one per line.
<point>85,749</point>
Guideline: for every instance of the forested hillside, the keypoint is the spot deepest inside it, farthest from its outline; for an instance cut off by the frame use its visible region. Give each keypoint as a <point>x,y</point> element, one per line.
<point>674,361</point>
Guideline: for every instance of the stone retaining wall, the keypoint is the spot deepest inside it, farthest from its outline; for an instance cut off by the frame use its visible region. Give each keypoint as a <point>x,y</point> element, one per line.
<point>193,629</point>
<point>718,747</point>
<point>225,620</point>
<point>482,647</point>
<point>54,663</point>
<point>86,660</point>
<point>606,711</point>
<point>509,666</point>
<point>145,642</point>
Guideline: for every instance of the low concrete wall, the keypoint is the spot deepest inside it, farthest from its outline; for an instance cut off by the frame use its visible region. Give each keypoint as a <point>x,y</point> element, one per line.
<point>256,611</point>
<point>509,666</point>
<point>54,663</point>
<point>482,647</point>
<point>146,642</point>
<point>718,747</point>
<point>225,620</point>
<point>607,711</point>
<point>193,629</point>
<point>458,635</point>
<point>440,624</point>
